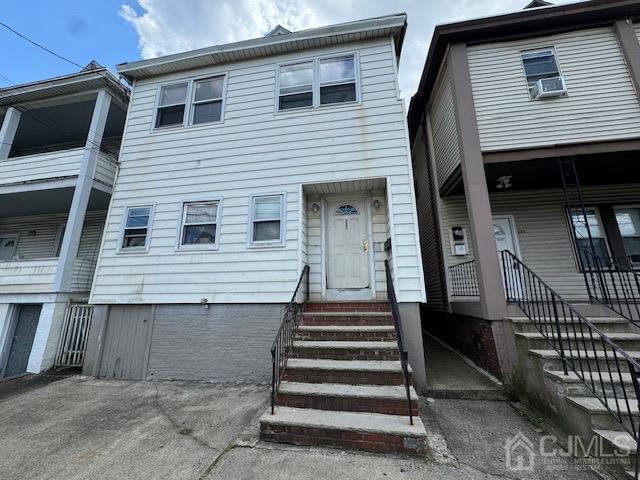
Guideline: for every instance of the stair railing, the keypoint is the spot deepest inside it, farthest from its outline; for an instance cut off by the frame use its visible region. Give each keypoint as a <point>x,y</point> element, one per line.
<point>585,350</point>
<point>612,283</point>
<point>283,343</point>
<point>404,356</point>
<point>464,279</point>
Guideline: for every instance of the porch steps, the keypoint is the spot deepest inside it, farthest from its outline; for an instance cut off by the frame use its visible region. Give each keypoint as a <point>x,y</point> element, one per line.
<point>572,400</point>
<point>343,384</point>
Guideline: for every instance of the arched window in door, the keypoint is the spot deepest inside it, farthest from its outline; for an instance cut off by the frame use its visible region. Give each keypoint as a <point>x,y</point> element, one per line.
<point>347,210</point>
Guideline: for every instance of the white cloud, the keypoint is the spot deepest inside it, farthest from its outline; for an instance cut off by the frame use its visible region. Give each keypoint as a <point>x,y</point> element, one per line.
<point>167,26</point>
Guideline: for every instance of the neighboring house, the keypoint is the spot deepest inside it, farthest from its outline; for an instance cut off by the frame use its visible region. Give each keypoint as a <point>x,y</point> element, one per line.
<point>59,144</point>
<point>241,164</point>
<point>487,142</point>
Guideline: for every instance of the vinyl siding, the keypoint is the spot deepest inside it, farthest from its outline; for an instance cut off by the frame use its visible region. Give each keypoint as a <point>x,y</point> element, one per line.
<point>426,201</point>
<point>444,126</point>
<point>601,103</point>
<point>254,151</point>
<point>35,264</point>
<point>543,231</point>
<point>42,166</point>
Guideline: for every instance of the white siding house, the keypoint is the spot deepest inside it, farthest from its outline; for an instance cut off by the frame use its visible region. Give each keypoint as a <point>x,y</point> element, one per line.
<point>276,180</point>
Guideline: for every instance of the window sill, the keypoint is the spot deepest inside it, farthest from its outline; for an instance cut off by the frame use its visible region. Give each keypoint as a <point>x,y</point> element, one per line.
<point>267,245</point>
<point>328,106</point>
<point>195,127</point>
<point>196,249</point>
<point>131,250</point>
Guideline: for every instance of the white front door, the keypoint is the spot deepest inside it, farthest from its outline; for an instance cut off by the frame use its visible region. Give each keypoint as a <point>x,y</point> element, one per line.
<point>505,232</point>
<point>7,246</point>
<point>348,245</point>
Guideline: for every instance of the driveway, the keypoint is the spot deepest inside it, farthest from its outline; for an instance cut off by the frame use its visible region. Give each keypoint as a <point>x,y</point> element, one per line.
<point>81,428</point>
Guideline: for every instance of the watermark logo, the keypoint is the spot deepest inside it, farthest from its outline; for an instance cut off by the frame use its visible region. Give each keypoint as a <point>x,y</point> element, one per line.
<point>520,454</point>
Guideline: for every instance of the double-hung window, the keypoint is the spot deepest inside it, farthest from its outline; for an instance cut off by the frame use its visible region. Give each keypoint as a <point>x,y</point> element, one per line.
<point>337,80</point>
<point>172,105</point>
<point>628,220</point>
<point>199,224</point>
<point>267,220</point>
<point>585,222</point>
<point>137,228</point>
<point>207,100</point>
<point>317,82</point>
<point>540,65</point>
<point>296,85</point>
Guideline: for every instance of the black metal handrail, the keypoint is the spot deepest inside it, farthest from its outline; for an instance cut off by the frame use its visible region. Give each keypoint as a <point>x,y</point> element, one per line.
<point>283,342</point>
<point>612,283</point>
<point>464,279</point>
<point>601,364</point>
<point>404,356</point>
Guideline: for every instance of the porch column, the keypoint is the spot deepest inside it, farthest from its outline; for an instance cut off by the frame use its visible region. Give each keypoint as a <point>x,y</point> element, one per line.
<point>8,131</point>
<point>492,298</point>
<point>630,47</point>
<point>73,229</point>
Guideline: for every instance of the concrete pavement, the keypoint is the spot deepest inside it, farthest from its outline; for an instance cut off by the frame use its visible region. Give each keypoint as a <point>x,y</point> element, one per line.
<point>80,428</point>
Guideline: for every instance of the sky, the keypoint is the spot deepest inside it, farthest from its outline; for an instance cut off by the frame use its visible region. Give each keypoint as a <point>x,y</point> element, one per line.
<point>116,31</point>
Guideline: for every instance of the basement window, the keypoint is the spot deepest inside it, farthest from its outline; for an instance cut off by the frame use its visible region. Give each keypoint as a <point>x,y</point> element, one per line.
<point>267,221</point>
<point>136,230</point>
<point>172,105</point>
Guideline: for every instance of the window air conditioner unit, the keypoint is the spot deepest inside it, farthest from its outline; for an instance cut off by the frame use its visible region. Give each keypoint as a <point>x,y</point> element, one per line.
<point>549,87</point>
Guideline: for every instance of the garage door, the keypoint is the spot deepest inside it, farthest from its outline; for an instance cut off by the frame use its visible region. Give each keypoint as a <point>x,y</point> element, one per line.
<point>126,343</point>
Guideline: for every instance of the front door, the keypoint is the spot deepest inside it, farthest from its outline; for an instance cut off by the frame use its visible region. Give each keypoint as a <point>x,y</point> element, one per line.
<point>348,246</point>
<point>505,232</point>
<point>21,340</point>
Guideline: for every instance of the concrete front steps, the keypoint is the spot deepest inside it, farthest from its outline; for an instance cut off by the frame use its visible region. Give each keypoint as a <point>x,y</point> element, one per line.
<point>343,385</point>
<point>569,399</point>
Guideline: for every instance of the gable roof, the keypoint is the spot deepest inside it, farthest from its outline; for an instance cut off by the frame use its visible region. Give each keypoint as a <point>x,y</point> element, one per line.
<point>390,25</point>
<point>528,23</point>
<point>537,3</point>
<point>277,30</point>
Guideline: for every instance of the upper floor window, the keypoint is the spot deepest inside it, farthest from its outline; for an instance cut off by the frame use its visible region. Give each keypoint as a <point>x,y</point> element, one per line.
<point>172,105</point>
<point>337,80</point>
<point>543,74</point>
<point>137,228</point>
<point>266,227</point>
<point>205,104</point>
<point>322,81</point>
<point>207,100</point>
<point>199,224</point>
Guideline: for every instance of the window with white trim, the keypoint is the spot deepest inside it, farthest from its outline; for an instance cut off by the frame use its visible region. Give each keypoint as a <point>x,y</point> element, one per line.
<point>628,220</point>
<point>582,228</point>
<point>207,100</point>
<point>267,220</point>
<point>539,64</point>
<point>199,224</point>
<point>337,80</point>
<point>317,82</point>
<point>172,105</point>
<point>137,227</point>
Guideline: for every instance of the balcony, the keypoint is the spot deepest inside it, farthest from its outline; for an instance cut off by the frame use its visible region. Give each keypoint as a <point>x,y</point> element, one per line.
<point>55,165</point>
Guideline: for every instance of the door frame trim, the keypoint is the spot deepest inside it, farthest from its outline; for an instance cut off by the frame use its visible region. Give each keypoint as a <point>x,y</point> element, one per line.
<point>366,197</point>
<point>516,240</point>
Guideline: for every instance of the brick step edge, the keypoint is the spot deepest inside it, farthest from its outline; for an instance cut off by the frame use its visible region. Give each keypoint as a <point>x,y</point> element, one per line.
<point>347,307</point>
<point>370,442</point>
<point>344,336</point>
<point>353,377</point>
<point>329,353</point>
<point>385,406</point>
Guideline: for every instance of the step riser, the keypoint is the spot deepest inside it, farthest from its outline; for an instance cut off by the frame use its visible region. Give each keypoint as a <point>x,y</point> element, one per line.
<point>347,307</point>
<point>542,344</point>
<point>381,443</point>
<point>604,421</point>
<point>346,320</point>
<point>605,327</point>
<point>556,364</point>
<point>355,377</point>
<point>324,402</point>
<point>345,353</point>
<point>345,336</point>
<point>581,390</point>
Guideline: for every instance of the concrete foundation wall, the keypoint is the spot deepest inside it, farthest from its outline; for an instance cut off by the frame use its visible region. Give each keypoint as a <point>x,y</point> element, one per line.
<point>412,331</point>
<point>224,342</point>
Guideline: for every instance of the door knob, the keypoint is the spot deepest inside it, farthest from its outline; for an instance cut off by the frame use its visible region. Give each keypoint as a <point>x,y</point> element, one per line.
<point>365,246</point>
